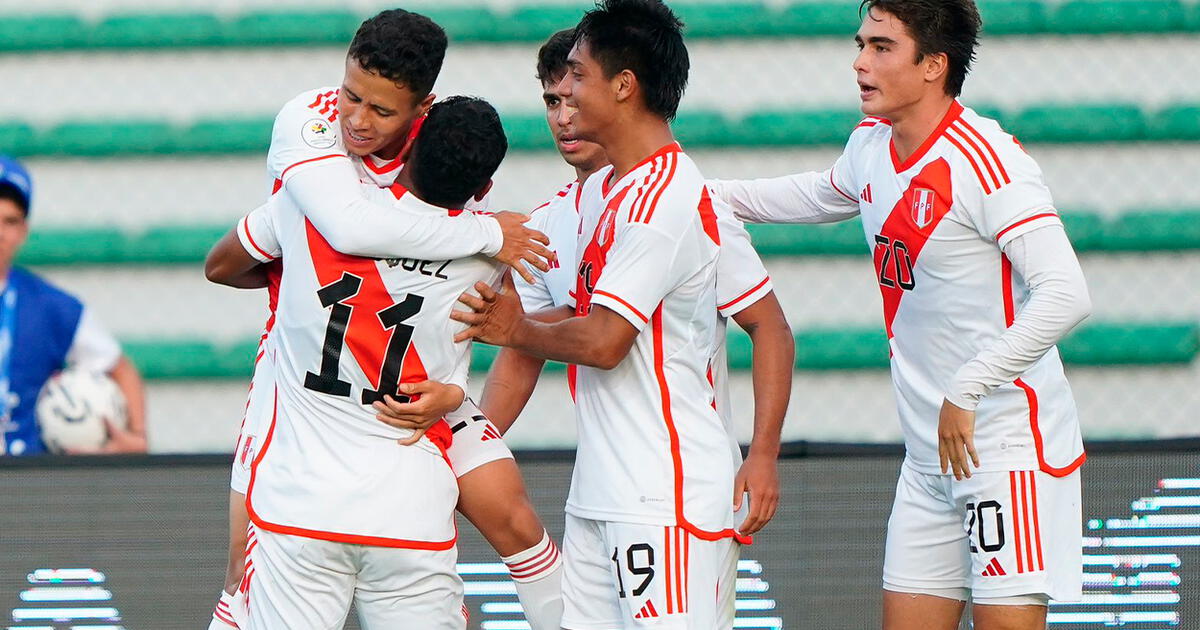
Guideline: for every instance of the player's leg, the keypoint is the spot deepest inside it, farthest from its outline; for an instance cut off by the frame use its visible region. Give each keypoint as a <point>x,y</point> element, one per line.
<point>230,609</point>
<point>409,588</point>
<point>298,582</point>
<point>1026,541</point>
<point>926,558</point>
<point>591,597</point>
<point>492,497</point>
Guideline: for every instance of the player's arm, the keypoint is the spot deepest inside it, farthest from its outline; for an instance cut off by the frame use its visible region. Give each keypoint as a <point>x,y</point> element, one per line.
<point>774,355</point>
<point>800,198</point>
<point>229,263</point>
<point>513,377</point>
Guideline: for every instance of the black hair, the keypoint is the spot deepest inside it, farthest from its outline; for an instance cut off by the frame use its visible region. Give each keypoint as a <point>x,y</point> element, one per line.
<point>407,48</point>
<point>459,147</point>
<point>645,37</point>
<point>14,194</point>
<point>939,26</point>
<point>552,56</point>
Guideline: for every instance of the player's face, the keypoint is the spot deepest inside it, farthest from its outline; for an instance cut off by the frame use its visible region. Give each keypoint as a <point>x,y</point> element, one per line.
<point>590,97</point>
<point>375,113</point>
<point>13,230</point>
<point>580,154</point>
<point>889,76</point>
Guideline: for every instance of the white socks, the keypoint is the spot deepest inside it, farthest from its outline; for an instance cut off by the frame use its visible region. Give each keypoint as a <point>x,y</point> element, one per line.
<point>537,572</point>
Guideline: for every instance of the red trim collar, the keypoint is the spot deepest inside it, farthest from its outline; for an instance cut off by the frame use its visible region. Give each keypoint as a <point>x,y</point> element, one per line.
<point>608,183</point>
<point>951,116</point>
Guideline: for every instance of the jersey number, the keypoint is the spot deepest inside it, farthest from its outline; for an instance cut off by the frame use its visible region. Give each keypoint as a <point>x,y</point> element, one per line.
<point>897,261</point>
<point>980,515</point>
<point>333,296</point>
<point>646,571</point>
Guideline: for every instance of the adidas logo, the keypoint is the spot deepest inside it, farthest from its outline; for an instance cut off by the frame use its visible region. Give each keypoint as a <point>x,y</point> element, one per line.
<point>994,569</point>
<point>490,433</point>
<point>865,195</point>
<point>647,611</point>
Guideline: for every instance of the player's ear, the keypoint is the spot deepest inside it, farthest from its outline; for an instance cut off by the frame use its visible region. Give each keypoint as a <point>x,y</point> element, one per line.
<point>624,84</point>
<point>483,191</point>
<point>426,103</point>
<point>936,66</point>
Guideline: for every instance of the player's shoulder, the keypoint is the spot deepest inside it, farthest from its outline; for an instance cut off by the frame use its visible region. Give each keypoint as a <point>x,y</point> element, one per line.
<point>870,129</point>
<point>318,102</point>
<point>564,196</point>
<point>983,154</point>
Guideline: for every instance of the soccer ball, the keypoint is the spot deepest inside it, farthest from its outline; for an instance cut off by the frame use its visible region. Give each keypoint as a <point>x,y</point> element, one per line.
<point>73,406</point>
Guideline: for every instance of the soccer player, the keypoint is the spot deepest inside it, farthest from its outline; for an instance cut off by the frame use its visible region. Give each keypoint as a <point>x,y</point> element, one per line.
<point>327,140</point>
<point>979,283</point>
<point>650,530</point>
<point>43,328</point>
<point>331,526</point>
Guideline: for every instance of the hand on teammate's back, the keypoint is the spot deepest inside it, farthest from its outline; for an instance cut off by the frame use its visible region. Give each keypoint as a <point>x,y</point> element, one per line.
<point>430,402</point>
<point>496,315</point>
<point>522,245</point>
<point>759,476</point>
<point>956,440</point>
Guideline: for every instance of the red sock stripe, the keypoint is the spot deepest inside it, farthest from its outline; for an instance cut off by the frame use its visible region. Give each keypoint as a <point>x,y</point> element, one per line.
<point>548,564</point>
<point>224,618</point>
<point>1014,512</point>
<point>546,558</point>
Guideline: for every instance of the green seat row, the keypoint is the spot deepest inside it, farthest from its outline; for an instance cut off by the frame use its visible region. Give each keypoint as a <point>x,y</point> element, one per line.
<point>1115,122</point>
<point>534,22</point>
<point>1171,229</point>
<point>1100,344</point>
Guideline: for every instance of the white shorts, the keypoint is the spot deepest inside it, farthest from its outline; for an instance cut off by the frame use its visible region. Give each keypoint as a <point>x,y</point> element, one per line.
<point>260,407</point>
<point>625,575</point>
<point>476,440</point>
<point>999,534</point>
<point>298,582</point>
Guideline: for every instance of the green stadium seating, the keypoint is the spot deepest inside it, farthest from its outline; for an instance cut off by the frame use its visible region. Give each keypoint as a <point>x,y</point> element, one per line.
<point>533,21</point>
<point>1117,16</point>
<point>1112,122</point>
<point>1142,231</point>
<point>1102,344</point>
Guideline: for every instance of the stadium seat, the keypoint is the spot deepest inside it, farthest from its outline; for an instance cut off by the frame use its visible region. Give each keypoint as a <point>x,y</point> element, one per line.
<point>266,28</point>
<point>789,128</point>
<point>151,30</point>
<point>75,246</point>
<point>703,128</point>
<point>1079,123</point>
<point>1178,122</point>
<point>537,22</point>
<point>740,19</point>
<point>226,135</point>
<point>41,32</point>
<point>1012,16</point>
<point>107,137</point>
<point>191,359</point>
<point>1103,344</point>
<point>1151,230</point>
<point>836,239</point>
<point>16,138</point>
<point>527,132</point>
<point>468,23</point>
<point>1116,16</point>
<point>1086,229</point>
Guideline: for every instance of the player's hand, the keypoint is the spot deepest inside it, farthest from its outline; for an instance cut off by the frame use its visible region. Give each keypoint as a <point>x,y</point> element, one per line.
<point>431,401</point>
<point>120,440</point>
<point>522,245</point>
<point>496,316</point>
<point>956,440</point>
<point>759,476</point>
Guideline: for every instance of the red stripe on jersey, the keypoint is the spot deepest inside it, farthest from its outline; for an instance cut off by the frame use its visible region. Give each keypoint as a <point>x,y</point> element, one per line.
<point>625,304</point>
<point>249,237</point>
<point>366,337</point>
<point>744,295</point>
<point>1030,394</point>
<point>638,207</point>
<point>992,152</point>
<point>321,97</point>
<point>672,162</point>
<point>1015,514</point>
<point>708,218</point>
<point>382,168</point>
<point>839,190</point>
<point>987,188</point>
<point>951,115</point>
<point>1023,222</point>
<point>316,159</point>
<point>901,227</point>
<point>276,185</point>
<point>667,566</point>
<point>954,132</point>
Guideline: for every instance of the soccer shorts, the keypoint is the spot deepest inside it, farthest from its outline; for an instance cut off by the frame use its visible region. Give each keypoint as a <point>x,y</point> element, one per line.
<point>476,441</point>
<point>299,582</point>
<point>625,575</point>
<point>999,534</point>
<point>260,408</point>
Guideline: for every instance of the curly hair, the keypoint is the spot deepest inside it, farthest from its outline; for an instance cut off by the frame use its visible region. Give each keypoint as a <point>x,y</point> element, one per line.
<point>459,147</point>
<point>406,47</point>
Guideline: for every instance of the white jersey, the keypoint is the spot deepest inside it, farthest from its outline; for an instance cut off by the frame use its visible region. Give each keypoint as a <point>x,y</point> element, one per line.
<point>558,219</point>
<point>349,330</point>
<point>937,224</point>
<point>652,448</point>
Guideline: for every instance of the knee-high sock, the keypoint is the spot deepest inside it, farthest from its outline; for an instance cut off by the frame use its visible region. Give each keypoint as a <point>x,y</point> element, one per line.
<point>537,572</point>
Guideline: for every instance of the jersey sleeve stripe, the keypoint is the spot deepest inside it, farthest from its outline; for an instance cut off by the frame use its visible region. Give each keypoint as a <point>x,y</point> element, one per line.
<point>624,303</point>
<point>320,97</point>
<point>962,135</point>
<point>987,189</point>
<point>245,229</point>
<point>987,145</point>
<point>283,175</point>
<point>744,295</point>
<point>839,190</point>
<point>638,210</point>
<point>672,161</point>
<point>1035,217</point>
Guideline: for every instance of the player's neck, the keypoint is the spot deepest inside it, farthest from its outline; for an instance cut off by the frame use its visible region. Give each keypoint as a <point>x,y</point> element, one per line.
<point>912,125</point>
<point>581,174</point>
<point>636,141</point>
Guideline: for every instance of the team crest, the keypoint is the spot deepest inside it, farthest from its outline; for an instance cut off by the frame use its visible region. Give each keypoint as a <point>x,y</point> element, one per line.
<point>604,233</point>
<point>318,134</point>
<point>922,208</point>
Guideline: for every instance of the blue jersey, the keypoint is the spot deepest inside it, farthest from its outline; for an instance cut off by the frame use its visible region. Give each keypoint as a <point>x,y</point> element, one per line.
<point>47,319</point>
